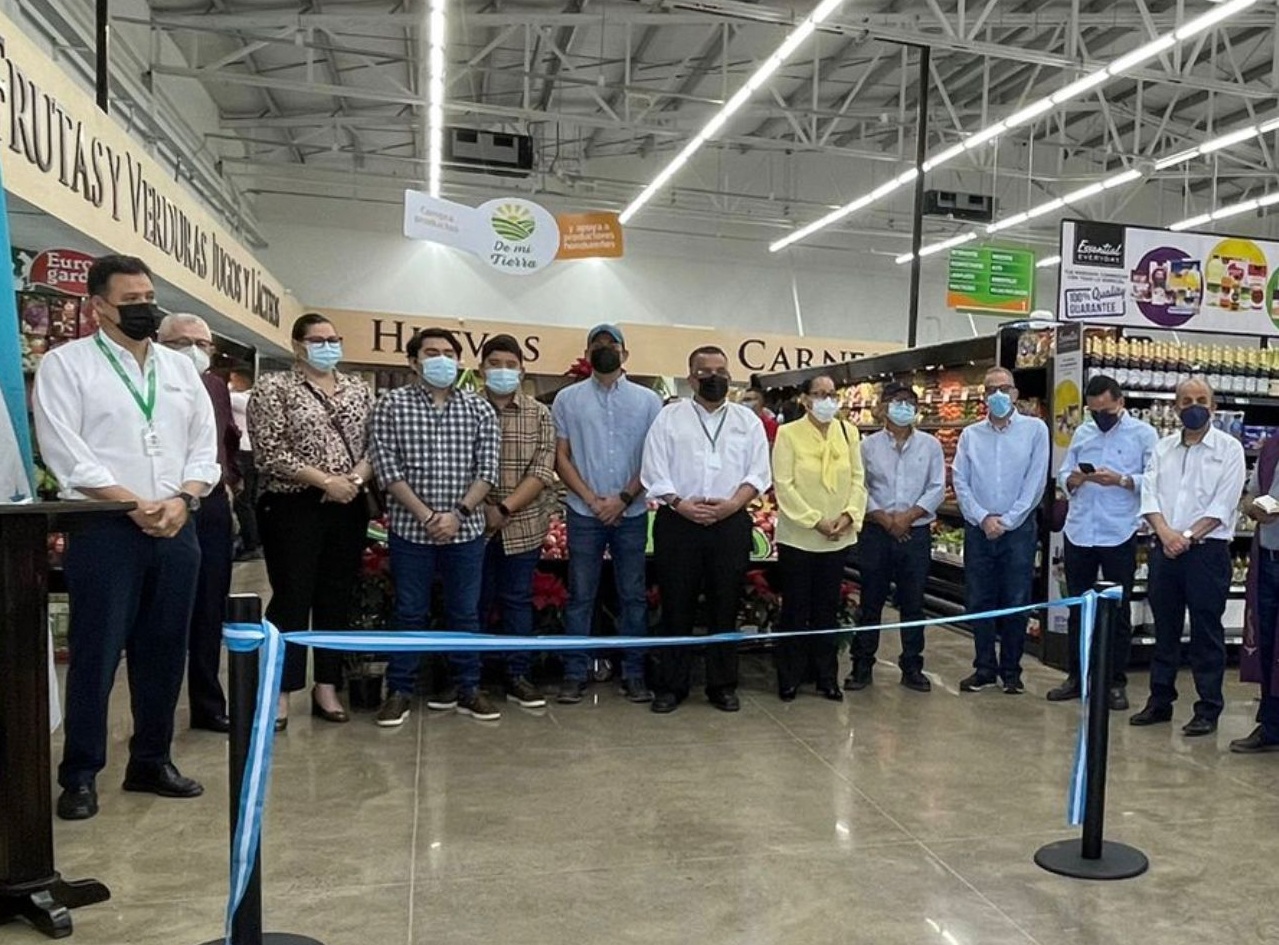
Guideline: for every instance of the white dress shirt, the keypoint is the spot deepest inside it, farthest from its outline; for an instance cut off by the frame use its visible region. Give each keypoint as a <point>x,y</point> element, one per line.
<point>93,434</point>
<point>240,414</point>
<point>1187,483</point>
<point>692,453</point>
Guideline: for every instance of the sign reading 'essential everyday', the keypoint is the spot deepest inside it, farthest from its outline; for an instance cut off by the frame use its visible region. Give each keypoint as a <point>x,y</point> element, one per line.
<point>1148,278</point>
<point>67,158</point>
<point>990,279</point>
<point>512,235</point>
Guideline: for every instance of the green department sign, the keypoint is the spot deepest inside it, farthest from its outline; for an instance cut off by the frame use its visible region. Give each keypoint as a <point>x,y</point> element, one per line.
<point>989,279</point>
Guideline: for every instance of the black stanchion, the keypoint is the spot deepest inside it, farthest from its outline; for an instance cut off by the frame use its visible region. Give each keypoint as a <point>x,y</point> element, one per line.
<point>242,691</point>
<point>1092,856</point>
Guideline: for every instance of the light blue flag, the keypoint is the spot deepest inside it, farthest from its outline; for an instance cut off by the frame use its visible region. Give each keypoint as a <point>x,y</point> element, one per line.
<point>17,471</point>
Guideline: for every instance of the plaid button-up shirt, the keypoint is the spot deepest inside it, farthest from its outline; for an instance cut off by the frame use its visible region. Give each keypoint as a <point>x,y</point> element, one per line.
<point>528,450</point>
<point>437,451</point>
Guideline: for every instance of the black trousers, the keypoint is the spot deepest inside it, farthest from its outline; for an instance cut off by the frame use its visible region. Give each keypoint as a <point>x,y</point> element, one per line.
<point>246,502</point>
<point>692,560</point>
<point>133,593</point>
<point>204,646</point>
<point>312,552</point>
<point>885,561</point>
<point>1199,582</point>
<point>810,585</point>
<point>1117,565</point>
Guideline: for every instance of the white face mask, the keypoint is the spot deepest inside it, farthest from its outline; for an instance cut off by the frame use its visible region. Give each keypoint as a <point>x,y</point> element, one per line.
<point>825,410</point>
<point>199,357</point>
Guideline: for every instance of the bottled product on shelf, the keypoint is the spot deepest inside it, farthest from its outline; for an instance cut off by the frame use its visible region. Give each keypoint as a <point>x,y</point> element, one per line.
<point>1143,364</point>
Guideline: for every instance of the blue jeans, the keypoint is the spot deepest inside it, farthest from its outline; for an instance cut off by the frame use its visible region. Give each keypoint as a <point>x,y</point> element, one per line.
<point>508,582</point>
<point>1267,617</point>
<point>626,541</point>
<point>999,574</point>
<point>413,568</point>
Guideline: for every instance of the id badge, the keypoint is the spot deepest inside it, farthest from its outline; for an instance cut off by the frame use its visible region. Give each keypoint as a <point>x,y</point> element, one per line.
<point>713,461</point>
<point>150,442</point>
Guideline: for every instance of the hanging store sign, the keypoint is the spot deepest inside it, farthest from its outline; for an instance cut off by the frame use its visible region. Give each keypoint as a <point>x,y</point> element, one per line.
<point>64,156</point>
<point>990,279</point>
<point>62,270</point>
<point>513,235</point>
<point>1149,278</point>
<point>589,236</point>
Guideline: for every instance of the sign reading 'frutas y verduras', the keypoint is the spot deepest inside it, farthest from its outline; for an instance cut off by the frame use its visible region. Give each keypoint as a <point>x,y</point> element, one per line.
<point>512,235</point>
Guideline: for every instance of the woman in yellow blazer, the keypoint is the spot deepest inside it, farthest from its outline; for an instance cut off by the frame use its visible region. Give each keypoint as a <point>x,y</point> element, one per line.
<point>821,499</point>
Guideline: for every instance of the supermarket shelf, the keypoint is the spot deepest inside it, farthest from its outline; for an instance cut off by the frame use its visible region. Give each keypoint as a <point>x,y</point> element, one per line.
<point>1145,640</point>
<point>945,557</point>
<point>1243,400</point>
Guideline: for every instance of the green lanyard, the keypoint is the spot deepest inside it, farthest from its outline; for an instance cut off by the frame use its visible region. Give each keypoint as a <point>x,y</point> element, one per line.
<point>147,406</point>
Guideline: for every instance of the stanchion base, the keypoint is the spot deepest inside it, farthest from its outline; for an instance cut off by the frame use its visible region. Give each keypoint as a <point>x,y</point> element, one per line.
<point>276,938</point>
<point>1118,860</point>
<point>46,905</point>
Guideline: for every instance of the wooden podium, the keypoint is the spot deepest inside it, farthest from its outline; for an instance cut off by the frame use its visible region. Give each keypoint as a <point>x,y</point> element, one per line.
<point>30,887</point>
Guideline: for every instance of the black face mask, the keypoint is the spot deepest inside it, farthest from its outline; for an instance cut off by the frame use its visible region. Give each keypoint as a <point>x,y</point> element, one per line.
<point>139,320</point>
<point>713,389</point>
<point>1105,421</point>
<point>605,360</point>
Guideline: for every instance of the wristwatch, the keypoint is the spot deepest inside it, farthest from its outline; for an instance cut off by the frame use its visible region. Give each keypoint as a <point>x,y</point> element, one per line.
<point>192,502</point>
<point>1125,482</point>
<point>674,502</point>
<point>358,480</point>
<point>462,510</point>
<point>1189,535</point>
<point>626,497</point>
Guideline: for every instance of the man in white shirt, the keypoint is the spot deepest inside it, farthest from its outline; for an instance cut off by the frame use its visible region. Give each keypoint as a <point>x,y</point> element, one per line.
<point>705,459</point>
<point>121,419</point>
<point>240,385</point>
<point>1190,497</point>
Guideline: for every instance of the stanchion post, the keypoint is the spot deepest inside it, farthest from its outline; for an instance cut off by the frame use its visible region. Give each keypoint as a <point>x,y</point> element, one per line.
<point>243,669</point>
<point>1093,857</point>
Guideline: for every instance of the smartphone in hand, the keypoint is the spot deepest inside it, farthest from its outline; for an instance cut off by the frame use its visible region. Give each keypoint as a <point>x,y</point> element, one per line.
<point>1087,468</point>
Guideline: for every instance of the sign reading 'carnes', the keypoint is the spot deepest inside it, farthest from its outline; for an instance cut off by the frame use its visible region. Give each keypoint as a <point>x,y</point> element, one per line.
<point>43,132</point>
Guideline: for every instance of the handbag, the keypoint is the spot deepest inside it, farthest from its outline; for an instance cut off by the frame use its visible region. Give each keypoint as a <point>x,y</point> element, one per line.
<point>373,500</point>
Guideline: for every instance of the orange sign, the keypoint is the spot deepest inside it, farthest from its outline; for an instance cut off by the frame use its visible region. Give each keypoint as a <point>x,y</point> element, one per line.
<point>589,236</point>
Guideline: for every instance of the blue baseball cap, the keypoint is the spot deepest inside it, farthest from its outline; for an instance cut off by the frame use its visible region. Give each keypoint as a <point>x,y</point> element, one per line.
<point>611,330</point>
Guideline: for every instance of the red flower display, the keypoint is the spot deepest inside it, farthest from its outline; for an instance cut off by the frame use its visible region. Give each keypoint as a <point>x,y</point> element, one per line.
<point>548,591</point>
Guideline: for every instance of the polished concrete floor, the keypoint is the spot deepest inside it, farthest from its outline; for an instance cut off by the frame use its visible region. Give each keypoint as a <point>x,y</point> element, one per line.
<point>892,818</point>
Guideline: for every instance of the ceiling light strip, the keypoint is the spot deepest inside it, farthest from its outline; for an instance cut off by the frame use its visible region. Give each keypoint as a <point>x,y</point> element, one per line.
<point>1047,261</point>
<point>1124,63</point>
<point>436,36</point>
<point>742,96</point>
<point>1224,213</point>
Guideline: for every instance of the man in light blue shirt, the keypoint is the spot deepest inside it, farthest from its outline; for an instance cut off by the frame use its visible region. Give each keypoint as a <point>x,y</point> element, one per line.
<point>600,425</point>
<point>1102,475</point>
<point>1000,474</point>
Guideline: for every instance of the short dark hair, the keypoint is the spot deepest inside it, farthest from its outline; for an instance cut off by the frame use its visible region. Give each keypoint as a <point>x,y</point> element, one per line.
<point>504,343</point>
<point>807,386</point>
<point>705,349</point>
<point>104,267</point>
<point>414,347</point>
<point>1103,384</point>
<point>306,321</point>
<point>241,369</point>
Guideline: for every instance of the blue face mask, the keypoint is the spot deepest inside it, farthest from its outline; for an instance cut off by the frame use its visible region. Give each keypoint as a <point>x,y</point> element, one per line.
<point>323,356</point>
<point>440,371</point>
<point>502,381</point>
<point>1195,417</point>
<point>902,413</point>
<point>999,404</point>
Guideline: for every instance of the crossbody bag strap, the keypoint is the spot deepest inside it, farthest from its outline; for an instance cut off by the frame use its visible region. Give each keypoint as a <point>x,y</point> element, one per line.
<point>333,422</point>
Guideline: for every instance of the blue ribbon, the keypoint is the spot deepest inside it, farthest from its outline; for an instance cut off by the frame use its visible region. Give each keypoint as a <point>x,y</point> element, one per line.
<point>243,637</point>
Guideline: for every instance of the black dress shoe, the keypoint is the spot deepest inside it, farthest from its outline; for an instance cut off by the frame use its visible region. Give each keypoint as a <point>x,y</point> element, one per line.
<point>1254,744</point>
<point>859,678</point>
<point>788,693</point>
<point>664,702</point>
<point>1067,691</point>
<point>831,691</point>
<point>1151,715</point>
<point>1198,727</point>
<point>78,803</point>
<point>1118,697</point>
<point>215,723</point>
<point>320,712</point>
<point>725,700</point>
<point>917,681</point>
<point>162,780</point>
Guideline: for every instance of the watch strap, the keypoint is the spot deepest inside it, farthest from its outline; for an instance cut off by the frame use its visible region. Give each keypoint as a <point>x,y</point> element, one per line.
<point>501,507</point>
<point>462,510</point>
<point>626,497</point>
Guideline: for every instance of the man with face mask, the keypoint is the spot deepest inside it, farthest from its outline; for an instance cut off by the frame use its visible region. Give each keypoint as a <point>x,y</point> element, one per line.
<point>436,451</point>
<point>705,459</point>
<point>516,517</point>
<point>190,336</point>
<point>1190,497</point>
<point>1000,475</point>
<point>906,482</point>
<point>600,425</point>
<point>1101,526</point>
<point>123,420</point>
<point>754,399</point>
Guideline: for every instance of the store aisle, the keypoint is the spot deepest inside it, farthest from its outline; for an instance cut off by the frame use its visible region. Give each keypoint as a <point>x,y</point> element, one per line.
<point>892,818</point>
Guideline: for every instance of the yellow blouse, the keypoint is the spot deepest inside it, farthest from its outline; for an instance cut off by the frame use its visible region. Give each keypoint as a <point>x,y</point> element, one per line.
<point>817,476</point>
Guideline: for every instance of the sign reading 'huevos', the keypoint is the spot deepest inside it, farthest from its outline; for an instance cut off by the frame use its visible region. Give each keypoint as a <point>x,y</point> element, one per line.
<point>512,235</point>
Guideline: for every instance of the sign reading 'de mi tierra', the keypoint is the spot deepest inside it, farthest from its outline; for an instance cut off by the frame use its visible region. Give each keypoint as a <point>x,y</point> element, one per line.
<point>91,160</point>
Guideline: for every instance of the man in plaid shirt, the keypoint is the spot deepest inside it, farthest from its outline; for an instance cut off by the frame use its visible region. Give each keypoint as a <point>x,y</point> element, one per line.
<point>435,450</point>
<point>516,513</point>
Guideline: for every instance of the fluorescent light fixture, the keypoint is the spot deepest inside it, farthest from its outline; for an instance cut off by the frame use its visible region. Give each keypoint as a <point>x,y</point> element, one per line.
<point>986,134</point>
<point>949,154</point>
<point>1055,204</point>
<point>1014,220</point>
<point>1234,210</point>
<point>1226,140</point>
<point>1047,261</point>
<point>1181,157</point>
<point>1083,193</point>
<point>1141,54</point>
<point>1079,87</point>
<point>1268,199</point>
<point>437,34</point>
<point>937,247</point>
<point>757,79</point>
<point>1124,177</point>
<point>1269,126</point>
<point>1211,19</point>
<point>1191,222</point>
<point>1029,112</point>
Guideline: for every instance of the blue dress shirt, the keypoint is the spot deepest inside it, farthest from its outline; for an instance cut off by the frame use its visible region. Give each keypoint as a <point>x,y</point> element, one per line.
<point>1107,516</point>
<point>1001,471</point>
<point>605,428</point>
<point>900,479</point>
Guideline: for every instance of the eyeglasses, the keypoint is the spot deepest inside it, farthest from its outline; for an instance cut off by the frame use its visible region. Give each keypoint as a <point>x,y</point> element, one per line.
<point>1002,389</point>
<point>824,395</point>
<point>334,340</point>
<point>181,344</point>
